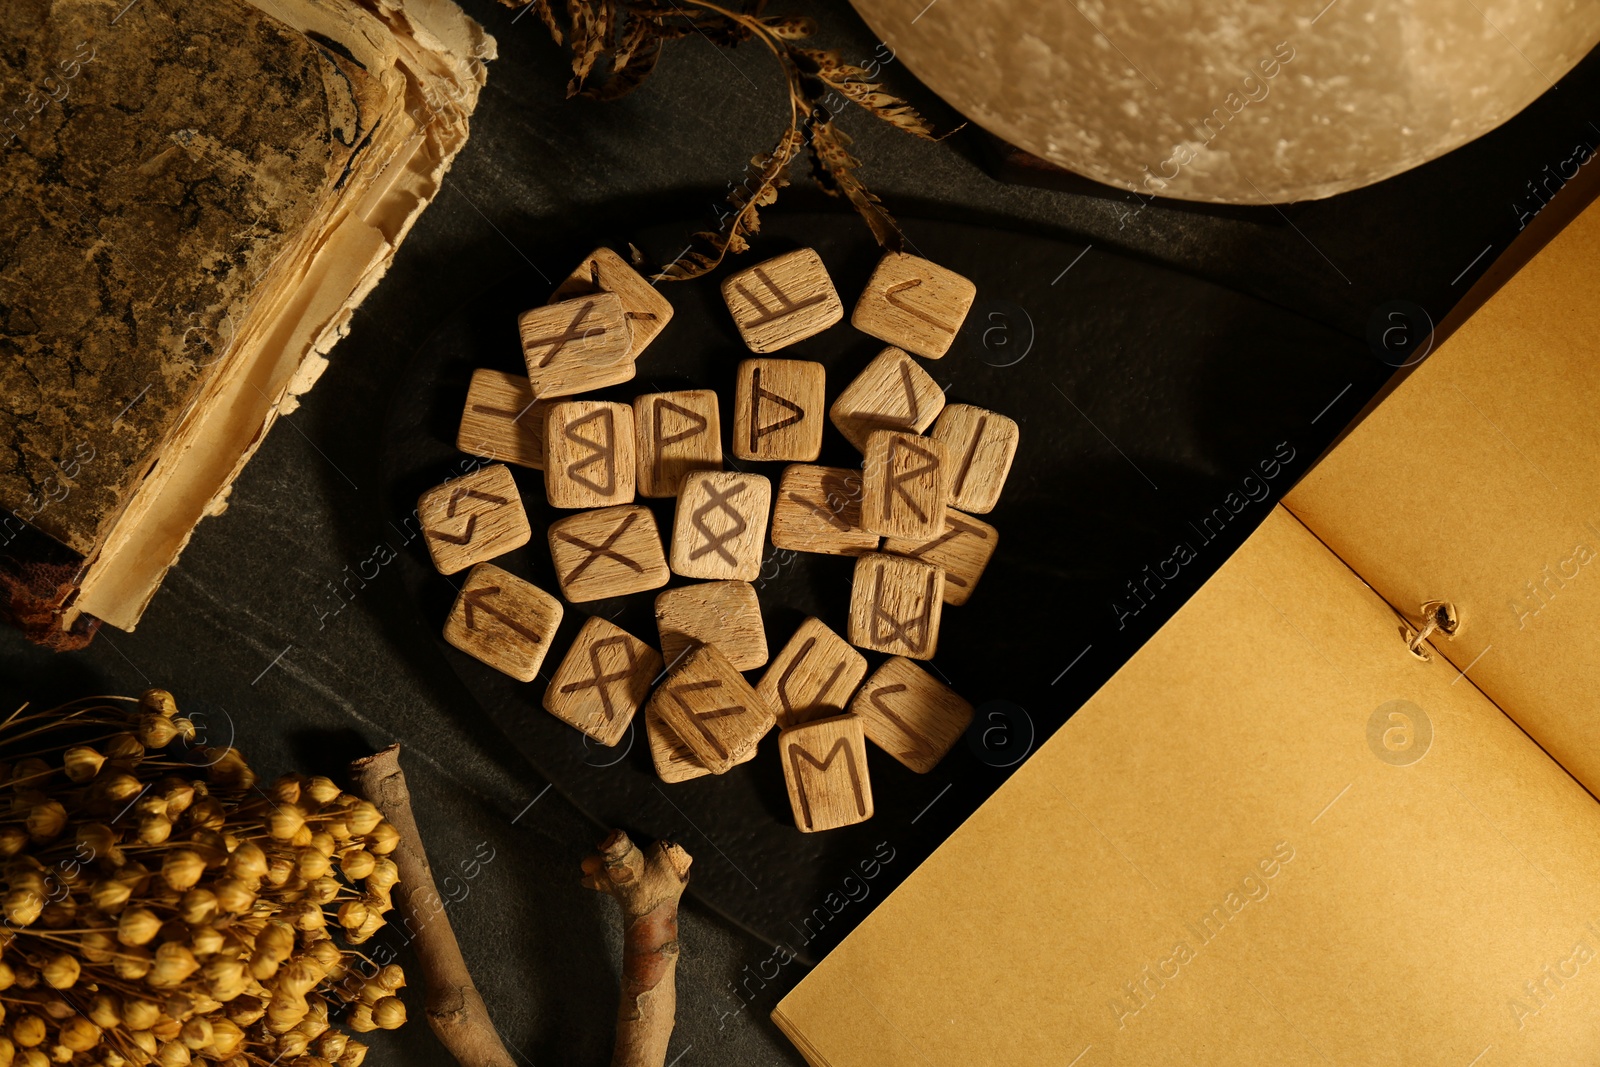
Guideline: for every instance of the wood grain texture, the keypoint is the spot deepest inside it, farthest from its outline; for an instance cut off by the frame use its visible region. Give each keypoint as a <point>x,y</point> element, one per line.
<point>962,550</point>
<point>893,392</point>
<point>602,681</point>
<point>675,433</point>
<point>502,421</point>
<point>724,614</point>
<point>609,552</point>
<point>504,621</point>
<point>646,310</point>
<point>910,714</point>
<point>819,510</point>
<point>589,457</point>
<point>779,408</point>
<point>473,518</point>
<point>577,345</point>
<point>905,481</point>
<point>720,527</point>
<point>812,677</point>
<point>782,300</point>
<point>896,605</point>
<point>982,445</point>
<point>675,761</point>
<point>914,304</point>
<point>825,772</point>
<point>707,703</point>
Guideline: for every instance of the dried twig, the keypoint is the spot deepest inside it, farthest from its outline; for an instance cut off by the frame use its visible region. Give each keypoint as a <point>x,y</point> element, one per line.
<point>648,885</point>
<point>455,1009</point>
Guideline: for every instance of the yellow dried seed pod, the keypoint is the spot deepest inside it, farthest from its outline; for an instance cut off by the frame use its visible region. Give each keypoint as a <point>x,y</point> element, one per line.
<point>8,977</point>
<point>146,1041</point>
<point>300,976</point>
<point>322,790</point>
<point>8,1052</point>
<point>59,914</point>
<point>338,829</point>
<point>150,804</point>
<point>105,1011</point>
<point>302,837</point>
<point>32,1057</point>
<point>389,1013</point>
<point>357,864</point>
<point>225,975</point>
<point>247,861</point>
<point>285,790</point>
<point>354,1053</point>
<point>352,914</point>
<point>97,837</point>
<point>384,839</point>
<point>323,890</point>
<point>96,947</point>
<point>154,830</point>
<point>158,701</point>
<point>116,788</point>
<point>230,771</point>
<point>391,977</point>
<point>285,1011</point>
<point>198,905</point>
<point>205,814</point>
<point>284,821</point>
<point>178,795</point>
<point>234,897</point>
<point>132,964</point>
<point>196,1033</point>
<point>138,926</point>
<point>364,818</point>
<point>78,1034</point>
<point>28,1030</point>
<point>276,940</point>
<point>13,839</point>
<point>22,906</point>
<point>332,1045</point>
<point>186,728</point>
<point>226,1038</point>
<point>247,1009</point>
<point>182,868</point>
<point>279,870</point>
<point>311,864</point>
<point>324,843</point>
<point>173,1054</point>
<point>373,924</point>
<point>32,771</point>
<point>360,1019</point>
<point>110,895</point>
<point>46,820</point>
<point>173,964</point>
<point>62,972</point>
<point>155,731</point>
<point>292,1045</point>
<point>82,763</point>
<point>384,874</point>
<point>206,941</point>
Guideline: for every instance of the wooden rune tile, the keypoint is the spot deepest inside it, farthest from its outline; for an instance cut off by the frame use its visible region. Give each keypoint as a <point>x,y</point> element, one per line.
<point>778,409</point>
<point>895,605</point>
<point>724,614</point>
<point>914,304</point>
<point>606,553</point>
<point>588,449</point>
<point>905,480</point>
<point>504,621</point>
<point>910,714</point>
<point>825,770</point>
<point>892,393</point>
<point>646,310</point>
<point>577,345</point>
<point>502,421</point>
<point>472,518</point>
<point>673,759</point>
<point>819,510</point>
<point>962,550</point>
<point>783,300</point>
<point>720,528</point>
<point>982,445</point>
<point>675,433</point>
<point>712,709</point>
<point>603,680</point>
<point>813,677</point>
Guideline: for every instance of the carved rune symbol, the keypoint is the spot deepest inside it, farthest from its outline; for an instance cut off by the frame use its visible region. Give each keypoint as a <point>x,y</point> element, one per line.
<point>953,529</point>
<point>782,305</point>
<point>573,332</point>
<point>757,395</point>
<point>899,478</point>
<point>887,627</point>
<point>465,536</point>
<point>718,500</point>
<point>892,295</point>
<point>678,692</point>
<point>972,453</point>
<point>603,550</point>
<point>477,600</point>
<point>600,680</point>
<point>505,413</point>
<point>602,451</point>
<point>797,752</point>
<point>697,425</point>
<point>918,748</point>
<point>839,491</point>
<point>788,672</point>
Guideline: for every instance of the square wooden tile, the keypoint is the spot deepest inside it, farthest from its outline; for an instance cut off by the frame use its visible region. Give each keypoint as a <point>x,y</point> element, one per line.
<point>819,510</point>
<point>892,393</point>
<point>982,445</point>
<point>724,614</point>
<point>589,459</point>
<point>783,300</point>
<point>602,681</point>
<point>910,714</point>
<point>779,409</point>
<point>673,759</point>
<point>611,552</point>
<point>675,433</point>
<point>825,770</point>
<point>473,518</point>
<point>812,677</point>
<point>905,480</point>
<point>577,345</point>
<point>504,621</point>
<point>502,421</point>
<point>646,310</point>
<point>962,550</point>
<point>895,605</point>
<point>914,304</point>
<point>712,709</point>
<point>720,527</point>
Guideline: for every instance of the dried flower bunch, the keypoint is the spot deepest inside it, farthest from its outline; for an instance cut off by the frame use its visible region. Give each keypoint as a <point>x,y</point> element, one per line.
<point>615,45</point>
<point>160,912</point>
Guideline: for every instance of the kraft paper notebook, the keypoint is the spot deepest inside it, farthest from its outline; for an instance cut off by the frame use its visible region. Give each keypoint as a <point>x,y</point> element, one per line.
<point>1277,835</point>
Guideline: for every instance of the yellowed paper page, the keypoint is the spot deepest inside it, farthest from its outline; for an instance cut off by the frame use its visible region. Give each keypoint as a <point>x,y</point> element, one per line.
<point>1478,481</point>
<point>1275,837</point>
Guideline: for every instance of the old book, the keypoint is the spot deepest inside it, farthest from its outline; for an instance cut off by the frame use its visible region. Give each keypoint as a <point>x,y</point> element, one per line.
<point>196,197</point>
<point>1306,824</point>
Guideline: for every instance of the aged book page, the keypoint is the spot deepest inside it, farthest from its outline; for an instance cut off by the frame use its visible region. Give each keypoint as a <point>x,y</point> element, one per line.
<point>1275,837</point>
<point>1476,481</point>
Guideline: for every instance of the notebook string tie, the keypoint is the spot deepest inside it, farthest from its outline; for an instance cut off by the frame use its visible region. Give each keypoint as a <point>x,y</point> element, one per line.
<point>1435,616</point>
